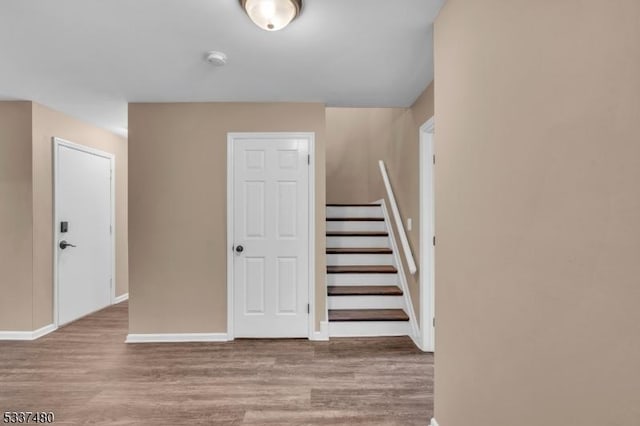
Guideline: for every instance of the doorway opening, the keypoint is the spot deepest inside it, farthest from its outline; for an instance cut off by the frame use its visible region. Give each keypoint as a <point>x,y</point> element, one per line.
<point>84,231</point>
<point>427,236</point>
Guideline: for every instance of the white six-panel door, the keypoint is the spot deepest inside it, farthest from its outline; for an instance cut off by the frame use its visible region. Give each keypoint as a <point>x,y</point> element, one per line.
<point>270,237</point>
<point>83,200</point>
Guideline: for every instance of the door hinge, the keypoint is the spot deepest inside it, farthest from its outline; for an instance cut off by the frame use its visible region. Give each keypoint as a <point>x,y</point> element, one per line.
<point>434,240</point>
<point>434,321</point>
<point>434,159</point>
<point>110,229</point>
<point>308,158</point>
<point>308,308</point>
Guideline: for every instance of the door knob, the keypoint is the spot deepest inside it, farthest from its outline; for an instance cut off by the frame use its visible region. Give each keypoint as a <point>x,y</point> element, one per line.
<point>239,249</point>
<point>63,244</point>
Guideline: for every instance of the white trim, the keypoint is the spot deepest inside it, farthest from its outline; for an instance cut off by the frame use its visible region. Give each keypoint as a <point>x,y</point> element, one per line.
<point>121,298</point>
<point>230,231</point>
<point>312,237</point>
<point>310,137</point>
<point>112,159</point>
<point>177,337</point>
<point>416,337</point>
<point>433,422</point>
<point>366,302</point>
<point>27,335</point>
<point>396,215</point>
<point>413,326</point>
<point>427,232</point>
<point>323,334</point>
<point>369,328</point>
<point>42,331</point>
<point>16,335</point>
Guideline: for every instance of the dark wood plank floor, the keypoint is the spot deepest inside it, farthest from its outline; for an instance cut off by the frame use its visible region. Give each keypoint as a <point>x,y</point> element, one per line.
<point>357,234</point>
<point>367,315</point>
<point>361,269</point>
<point>355,250</point>
<point>355,219</point>
<point>86,374</point>
<point>364,290</point>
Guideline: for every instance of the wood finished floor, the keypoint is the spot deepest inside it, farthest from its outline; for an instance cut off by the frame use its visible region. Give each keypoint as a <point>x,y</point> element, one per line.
<point>86,374</point>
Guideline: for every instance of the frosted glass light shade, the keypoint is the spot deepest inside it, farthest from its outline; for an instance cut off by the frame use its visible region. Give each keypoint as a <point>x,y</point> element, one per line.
<point>272,15</point>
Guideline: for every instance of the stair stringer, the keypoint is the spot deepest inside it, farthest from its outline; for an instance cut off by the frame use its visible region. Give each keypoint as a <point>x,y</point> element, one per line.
<point>414,333</point>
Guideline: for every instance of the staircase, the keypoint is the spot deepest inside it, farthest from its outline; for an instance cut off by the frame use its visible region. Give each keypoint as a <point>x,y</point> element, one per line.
<point>365,295</point>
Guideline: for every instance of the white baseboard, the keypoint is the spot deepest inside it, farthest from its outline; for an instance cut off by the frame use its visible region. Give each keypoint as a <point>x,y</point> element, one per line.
<point>16,335</point>
<point>323,334</point>
<point>121,298</point>
<point>433,422</point>
<point>44,330</point>
<point>27,335</point>
<point>417,341</point>
<point>177,337</point>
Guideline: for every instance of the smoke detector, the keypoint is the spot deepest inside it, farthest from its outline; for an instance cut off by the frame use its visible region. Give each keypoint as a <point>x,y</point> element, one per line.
<point>216,58</point>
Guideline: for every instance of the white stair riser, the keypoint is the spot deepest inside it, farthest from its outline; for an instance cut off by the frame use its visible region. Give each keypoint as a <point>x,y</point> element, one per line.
<point>353,225</point>
<point>362,279</point>
<point>362,328</point>
<point>360,259</point>
<point>345,242</point>
<point>368,328</point>
<point>373,211</point>
<point>366,302</point>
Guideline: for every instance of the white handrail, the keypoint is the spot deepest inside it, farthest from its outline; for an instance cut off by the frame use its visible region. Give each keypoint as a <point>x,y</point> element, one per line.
<point>396,216</point>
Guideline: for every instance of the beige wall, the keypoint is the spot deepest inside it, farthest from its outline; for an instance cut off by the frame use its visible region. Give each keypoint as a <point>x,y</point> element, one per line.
<point>357,138</point>
<point>177,208</point>
<point>15,217</point>
<point>537,213</point>
<point>26,208</point>
<point>403,167</point>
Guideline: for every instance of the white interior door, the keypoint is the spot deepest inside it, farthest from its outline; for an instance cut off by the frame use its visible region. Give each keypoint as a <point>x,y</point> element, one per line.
<point>270,237</point>
<point>83,205</point>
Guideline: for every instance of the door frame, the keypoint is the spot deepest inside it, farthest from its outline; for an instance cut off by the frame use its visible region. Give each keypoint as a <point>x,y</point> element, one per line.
<point>427,236</point>
<point>56,143</point>
<point>231,138</point>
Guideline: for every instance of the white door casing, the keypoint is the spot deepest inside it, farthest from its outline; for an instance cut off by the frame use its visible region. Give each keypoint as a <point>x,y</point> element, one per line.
<point>427,235</point>
<point>270,266</point>
<point>83,197</point>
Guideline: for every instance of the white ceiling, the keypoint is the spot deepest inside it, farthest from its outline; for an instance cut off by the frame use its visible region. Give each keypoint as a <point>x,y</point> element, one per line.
<point>88,58</point>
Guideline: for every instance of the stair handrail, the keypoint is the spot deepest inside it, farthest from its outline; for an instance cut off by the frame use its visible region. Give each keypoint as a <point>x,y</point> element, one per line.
<point>396,216</point>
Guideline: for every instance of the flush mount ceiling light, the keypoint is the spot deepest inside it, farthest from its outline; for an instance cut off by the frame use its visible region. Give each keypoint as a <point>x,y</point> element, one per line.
<point>272,15</point>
